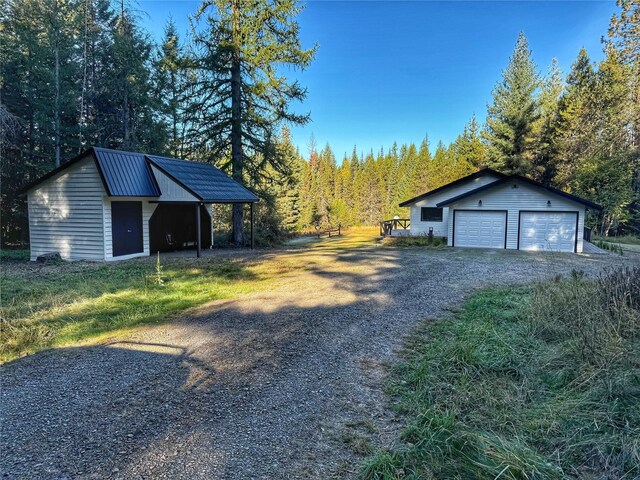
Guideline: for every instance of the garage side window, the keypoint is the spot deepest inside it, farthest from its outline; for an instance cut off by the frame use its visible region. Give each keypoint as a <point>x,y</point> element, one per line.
<point>430,214</point>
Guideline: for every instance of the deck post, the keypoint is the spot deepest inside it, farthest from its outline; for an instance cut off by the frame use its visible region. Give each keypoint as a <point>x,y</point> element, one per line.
<point>252,220</point>
<point>212,228</point>
<point>198,233</point>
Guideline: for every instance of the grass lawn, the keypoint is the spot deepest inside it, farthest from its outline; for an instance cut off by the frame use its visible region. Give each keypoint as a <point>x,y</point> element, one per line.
<point>44,306</point>
<point>624,239</point>
<point>536,382</point>
<point>630,243</point>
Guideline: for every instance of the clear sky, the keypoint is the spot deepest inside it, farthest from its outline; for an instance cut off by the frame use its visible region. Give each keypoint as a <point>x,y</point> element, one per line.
<point>390,71</point>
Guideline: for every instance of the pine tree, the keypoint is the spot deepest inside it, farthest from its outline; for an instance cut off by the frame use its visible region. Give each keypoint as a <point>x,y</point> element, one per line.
<point>416,169</point>
<point>173,84</point>
<point>242,96</point>
<point>547,127</point>
<point>577,119</point>
<point>511,117</point>
<point>624,36</point>
<point>606,175</point>
<point>36,100</point>
<point>289,201</point>
<point>469,147</point>
<point>94,109</point>
<point>130,103</point>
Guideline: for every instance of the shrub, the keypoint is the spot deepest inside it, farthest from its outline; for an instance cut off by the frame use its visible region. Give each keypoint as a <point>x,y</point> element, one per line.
<point>612,247</point>
<point>416,241</point>
<point>595,318</point>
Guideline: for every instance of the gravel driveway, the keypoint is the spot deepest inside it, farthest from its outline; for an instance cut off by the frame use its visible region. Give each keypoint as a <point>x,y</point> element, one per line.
<point>278,384</point>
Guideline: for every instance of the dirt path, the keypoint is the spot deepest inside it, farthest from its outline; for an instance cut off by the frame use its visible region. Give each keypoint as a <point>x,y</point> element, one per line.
<point>279,384</point>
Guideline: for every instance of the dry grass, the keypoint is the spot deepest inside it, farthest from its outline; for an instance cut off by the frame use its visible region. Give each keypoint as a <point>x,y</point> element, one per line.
<point>525,383</point>
<point>44,306</point>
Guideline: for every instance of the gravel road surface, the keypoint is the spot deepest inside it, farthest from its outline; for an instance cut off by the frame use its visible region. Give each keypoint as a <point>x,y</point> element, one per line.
<point>277,384</point>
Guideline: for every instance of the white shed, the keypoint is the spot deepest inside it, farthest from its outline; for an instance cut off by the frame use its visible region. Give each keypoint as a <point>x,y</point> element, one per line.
<point>111,205</point>
<point>490,210</point>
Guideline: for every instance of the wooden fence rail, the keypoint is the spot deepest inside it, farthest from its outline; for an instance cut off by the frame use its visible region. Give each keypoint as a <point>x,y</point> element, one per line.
<point>329,231</point>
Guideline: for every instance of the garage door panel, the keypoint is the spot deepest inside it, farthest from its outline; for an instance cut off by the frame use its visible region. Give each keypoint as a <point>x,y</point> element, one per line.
<point>483,229</point>
<point>551,231</point>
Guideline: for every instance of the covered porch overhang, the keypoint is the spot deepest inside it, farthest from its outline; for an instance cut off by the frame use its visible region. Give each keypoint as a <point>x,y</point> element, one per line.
<point>179,225</point>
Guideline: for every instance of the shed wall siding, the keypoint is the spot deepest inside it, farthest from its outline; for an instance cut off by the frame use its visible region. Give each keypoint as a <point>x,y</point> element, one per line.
<point>171,191</point>
<point>147,211</point>
<point>65,214</point>
<point>418,227</point>
<point>514,200</point>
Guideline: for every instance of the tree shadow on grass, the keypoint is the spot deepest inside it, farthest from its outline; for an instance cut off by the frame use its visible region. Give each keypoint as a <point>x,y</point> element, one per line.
<point>236,389</point>
<point>241,388</point>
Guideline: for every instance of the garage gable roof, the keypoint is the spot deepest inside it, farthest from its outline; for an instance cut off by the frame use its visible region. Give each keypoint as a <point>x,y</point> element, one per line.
<point>509,178</point>
<point>129,174</point>
<point>480,173</point>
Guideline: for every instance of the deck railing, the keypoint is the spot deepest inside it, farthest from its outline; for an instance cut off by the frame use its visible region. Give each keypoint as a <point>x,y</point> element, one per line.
<point>386,226</point>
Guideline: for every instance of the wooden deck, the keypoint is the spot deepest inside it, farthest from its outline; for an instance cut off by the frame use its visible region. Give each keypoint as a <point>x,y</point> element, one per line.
<point>388,227</point>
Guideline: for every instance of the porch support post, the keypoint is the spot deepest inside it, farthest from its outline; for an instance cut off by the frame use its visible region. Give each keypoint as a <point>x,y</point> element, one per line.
<point>252,220</point>
<point>212,227</point>
<point>198,233</point>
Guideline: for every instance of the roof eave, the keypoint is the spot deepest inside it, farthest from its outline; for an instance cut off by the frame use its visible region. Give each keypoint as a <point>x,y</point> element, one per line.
<point>244,200</point>
<point>489,186</point>
<point>473,176</point>
<point>25,189</point>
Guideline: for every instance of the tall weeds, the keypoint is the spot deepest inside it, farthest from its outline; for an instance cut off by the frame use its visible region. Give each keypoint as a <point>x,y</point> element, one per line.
<point>536,382</point>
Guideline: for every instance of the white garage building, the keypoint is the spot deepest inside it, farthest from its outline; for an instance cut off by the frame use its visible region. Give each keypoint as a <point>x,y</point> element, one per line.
<point>491,210</point>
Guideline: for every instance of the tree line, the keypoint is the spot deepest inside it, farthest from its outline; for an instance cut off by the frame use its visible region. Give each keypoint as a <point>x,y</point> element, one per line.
<point>579,132</point>
<point>77,73</point>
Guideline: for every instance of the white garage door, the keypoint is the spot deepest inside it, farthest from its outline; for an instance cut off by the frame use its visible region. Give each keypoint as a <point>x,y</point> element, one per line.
<point>554,231</point>
<point>484,229</point>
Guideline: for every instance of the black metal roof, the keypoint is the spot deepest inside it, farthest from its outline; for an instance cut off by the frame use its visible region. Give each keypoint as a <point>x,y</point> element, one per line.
<point>129,174</point>
<point>204,180</point>
<point>126,174</point>
<point>480,173</point>
<point>509,178</point>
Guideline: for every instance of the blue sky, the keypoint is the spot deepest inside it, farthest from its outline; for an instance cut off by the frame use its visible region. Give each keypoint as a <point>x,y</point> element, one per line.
<point>390,71</point>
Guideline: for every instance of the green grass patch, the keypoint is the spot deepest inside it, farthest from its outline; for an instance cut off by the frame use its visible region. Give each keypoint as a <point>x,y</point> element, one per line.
<point>612,247</point>
<point>535,382</point>
<point>624,239</point>
<point>54,305</point>
<point>64,303</point>
<point>14,254</point>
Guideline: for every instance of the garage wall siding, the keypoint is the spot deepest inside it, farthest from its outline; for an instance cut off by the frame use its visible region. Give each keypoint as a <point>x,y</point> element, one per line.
<point>147,211</point>
<point>171,191</point>
<point>418,227</point>
<point>525,197</point>
<point>65,214</point>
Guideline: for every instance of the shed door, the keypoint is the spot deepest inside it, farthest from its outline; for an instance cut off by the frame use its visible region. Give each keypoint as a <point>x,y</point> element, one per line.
<point>481,228</point>
<point>126,228</point>
<point>553,231</point>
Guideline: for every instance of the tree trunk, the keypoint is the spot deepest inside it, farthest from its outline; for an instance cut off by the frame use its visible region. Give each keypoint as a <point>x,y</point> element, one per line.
<point>236,123</point>
<point>83,90</point>
<point>174,114</point>
<point>56,113</point>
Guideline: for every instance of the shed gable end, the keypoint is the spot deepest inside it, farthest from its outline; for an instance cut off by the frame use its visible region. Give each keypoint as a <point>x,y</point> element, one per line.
<point>65,213</point>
